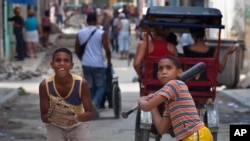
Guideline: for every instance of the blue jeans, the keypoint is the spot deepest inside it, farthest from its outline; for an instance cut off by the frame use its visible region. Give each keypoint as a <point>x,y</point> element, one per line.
<point>114,42</point>
<point>96,78</point>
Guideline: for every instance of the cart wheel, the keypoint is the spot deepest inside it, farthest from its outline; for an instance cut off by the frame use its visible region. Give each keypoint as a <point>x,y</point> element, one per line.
<point>158,139</point>
<point>144,135</point>
<point>137,125</point>
<point>214,135</point>
<point>140,134</point>
<point>116,94</point>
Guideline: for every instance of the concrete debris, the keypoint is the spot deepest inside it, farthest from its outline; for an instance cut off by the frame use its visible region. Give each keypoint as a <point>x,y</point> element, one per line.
<point>75,20</point>
<point>74,23</point>
<point>246,82</point>
<point>16,72</point>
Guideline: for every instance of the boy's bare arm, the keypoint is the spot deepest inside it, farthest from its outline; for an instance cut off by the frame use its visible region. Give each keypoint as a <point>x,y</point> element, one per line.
<point>87,103</point>
<point>44,102</point>
<point>150,103</point>
<point>162,123</point>
<point>147,103</point>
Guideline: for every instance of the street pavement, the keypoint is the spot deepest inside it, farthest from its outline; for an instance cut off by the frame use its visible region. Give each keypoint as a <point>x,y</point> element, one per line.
<point>9,91</point>
<point>241,95</point>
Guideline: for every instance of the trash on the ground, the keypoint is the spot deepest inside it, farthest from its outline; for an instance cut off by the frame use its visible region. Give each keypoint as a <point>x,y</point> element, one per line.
<point>245,83</point>
<point>242,110</point>
<point>231,104</point>
<point>220,102</point>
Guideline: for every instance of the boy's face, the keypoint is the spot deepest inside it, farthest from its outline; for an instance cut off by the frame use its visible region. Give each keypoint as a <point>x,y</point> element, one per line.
<point>167,71</point>
<point>62,64</point>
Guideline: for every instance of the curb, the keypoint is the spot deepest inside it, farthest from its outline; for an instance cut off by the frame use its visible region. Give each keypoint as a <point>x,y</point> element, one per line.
<point>38,61</point>
<point>8,99</point>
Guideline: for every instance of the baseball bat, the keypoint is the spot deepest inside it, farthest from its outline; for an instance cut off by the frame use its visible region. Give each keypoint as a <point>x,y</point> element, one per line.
<point>185,76</point>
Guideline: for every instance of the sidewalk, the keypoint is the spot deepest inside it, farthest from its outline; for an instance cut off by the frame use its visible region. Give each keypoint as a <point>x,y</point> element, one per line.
<point>29,64</point>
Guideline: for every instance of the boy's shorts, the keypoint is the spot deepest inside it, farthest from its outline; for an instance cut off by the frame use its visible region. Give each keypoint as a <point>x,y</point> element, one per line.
<point>203,134</point>
<point>77,133</point>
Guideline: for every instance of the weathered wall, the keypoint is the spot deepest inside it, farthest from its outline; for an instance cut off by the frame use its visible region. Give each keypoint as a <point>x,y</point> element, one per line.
<point>247,31</point>
<point>234,24</point>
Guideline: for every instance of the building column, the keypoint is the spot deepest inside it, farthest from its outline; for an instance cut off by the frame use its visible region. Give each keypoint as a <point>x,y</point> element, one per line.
<point>1,32</point>
<point>140,5</point>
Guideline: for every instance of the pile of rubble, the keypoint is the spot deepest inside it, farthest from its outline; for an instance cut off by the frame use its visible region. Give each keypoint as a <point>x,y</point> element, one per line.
<point>75,20</point>
<point>11,72</point>
<point>74,23</point>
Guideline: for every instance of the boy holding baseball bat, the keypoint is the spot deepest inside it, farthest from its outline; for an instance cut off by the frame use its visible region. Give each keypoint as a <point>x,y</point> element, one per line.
<point>180,110</point>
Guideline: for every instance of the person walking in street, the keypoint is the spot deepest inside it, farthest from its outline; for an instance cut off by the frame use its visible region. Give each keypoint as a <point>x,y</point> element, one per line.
<point>18,26</point>
<point>46,25</point>
<point>123,37</point>
<point>114,32</point>
<point>60,13</point>
<point>74,91</point>
<point>31,34</point>
<point>180,110</point>
<point>93,59</point>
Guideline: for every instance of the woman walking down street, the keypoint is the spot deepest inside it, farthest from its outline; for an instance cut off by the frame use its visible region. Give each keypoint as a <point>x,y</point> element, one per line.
<point>46,25</point>
<point>123,37</point>
<point>31,34</point>
<point>114,32</point>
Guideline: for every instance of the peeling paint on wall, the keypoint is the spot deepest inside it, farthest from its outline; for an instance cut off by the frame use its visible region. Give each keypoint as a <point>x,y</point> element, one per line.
<point>247,13</point>
<point>237,30</point>
<point>233,17</point>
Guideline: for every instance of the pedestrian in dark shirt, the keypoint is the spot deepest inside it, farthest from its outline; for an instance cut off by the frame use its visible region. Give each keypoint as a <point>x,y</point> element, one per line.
<point>18,25</point>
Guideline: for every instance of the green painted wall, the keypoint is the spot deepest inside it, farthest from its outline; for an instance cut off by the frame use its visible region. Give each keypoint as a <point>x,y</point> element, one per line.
<point>8,31</point>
